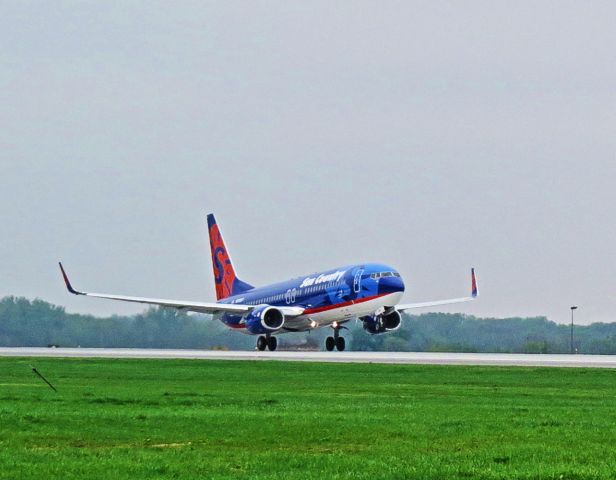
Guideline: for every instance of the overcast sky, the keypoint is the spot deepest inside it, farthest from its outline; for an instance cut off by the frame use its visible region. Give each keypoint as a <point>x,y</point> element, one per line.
<point>432,136</point>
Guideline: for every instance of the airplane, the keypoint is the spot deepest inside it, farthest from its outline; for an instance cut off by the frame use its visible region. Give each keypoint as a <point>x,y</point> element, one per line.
<point>370,292</point>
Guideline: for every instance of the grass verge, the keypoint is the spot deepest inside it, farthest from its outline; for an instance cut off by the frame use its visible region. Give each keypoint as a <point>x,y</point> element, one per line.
<point>133,419</point>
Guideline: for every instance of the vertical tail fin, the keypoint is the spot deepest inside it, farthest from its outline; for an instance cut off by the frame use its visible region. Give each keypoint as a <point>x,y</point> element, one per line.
<point>226,280</point>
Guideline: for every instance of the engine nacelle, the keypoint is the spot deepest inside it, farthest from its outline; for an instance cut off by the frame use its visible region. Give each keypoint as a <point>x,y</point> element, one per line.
<point>382,323</point>
<point>264,319</point>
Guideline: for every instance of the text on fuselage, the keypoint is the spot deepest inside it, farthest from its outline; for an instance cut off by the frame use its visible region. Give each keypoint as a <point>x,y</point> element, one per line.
<point>332,277</point>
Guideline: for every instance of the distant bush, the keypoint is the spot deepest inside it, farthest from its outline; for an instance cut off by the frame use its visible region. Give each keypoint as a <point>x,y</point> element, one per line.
<point>37,323</point>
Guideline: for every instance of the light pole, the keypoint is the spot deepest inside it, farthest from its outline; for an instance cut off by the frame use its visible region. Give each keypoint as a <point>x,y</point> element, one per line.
<point>574,307</point>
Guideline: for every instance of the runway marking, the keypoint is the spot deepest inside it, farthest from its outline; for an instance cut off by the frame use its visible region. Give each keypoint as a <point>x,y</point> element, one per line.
<point>418,358</point>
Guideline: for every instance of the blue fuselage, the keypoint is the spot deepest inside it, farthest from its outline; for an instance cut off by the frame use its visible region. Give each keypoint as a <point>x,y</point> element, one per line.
<point>325,295</point>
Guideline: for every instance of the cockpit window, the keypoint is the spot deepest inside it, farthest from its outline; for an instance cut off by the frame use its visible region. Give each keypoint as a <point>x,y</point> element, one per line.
<point>384,274</point>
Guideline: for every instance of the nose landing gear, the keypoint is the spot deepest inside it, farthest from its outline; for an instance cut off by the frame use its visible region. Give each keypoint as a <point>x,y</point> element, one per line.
<point>336,341</point>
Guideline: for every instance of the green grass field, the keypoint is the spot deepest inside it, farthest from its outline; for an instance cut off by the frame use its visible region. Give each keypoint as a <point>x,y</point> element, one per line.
<point>212,419</point>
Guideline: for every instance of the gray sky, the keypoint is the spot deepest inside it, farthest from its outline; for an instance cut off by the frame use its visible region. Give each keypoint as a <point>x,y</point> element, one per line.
<point>433,136</point>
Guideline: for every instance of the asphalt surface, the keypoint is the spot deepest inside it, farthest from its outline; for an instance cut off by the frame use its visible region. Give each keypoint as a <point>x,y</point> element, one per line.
<point>502,359</point>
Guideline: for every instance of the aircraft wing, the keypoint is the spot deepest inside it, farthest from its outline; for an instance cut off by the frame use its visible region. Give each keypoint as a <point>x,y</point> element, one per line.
<point>474,295</point>
<point>199,307</point>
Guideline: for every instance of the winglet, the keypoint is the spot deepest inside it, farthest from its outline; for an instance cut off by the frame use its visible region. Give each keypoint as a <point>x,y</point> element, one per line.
<point>474,291</point>
<point>68,282</point>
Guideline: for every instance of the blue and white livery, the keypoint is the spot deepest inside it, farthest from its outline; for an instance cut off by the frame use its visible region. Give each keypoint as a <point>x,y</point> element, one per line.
<point>371,292</point>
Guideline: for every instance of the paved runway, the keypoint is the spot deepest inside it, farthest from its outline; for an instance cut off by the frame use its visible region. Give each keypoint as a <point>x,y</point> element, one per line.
<point>502,359</point>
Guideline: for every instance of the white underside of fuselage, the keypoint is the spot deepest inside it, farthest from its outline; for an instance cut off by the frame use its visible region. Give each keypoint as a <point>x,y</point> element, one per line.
<point>341,314</point>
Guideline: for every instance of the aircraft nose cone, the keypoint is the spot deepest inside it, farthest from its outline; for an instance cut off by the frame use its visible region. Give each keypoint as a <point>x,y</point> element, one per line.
<point>391,285</point>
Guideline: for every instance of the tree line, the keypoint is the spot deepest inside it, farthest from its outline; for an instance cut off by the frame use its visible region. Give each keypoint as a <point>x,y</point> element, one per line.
<point>36,323</point>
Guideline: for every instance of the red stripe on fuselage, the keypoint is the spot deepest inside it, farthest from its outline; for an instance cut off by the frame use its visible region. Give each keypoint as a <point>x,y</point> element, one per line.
<point>309,311</point>
<point>341,305</point>
<point>236,326</point>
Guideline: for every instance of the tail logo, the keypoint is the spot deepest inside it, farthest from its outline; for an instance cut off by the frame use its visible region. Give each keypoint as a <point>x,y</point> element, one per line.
<point>224,275</point>
<point>218,267</point>
<point>226,280</point>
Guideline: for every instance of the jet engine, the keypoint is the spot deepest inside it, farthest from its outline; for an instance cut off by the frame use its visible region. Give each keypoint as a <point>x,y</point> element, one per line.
<point>385,322</point>
<point>264,319</point>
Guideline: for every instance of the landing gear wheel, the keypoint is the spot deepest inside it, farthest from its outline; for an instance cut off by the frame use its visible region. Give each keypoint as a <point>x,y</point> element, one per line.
<point>340,344</point>
<point>330,343</point>
<point>261,343</point>
<point>272,343</point>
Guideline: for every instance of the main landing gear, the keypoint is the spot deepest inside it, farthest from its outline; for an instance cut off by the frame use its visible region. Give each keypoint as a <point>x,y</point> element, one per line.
<point>336,341</point>
<point>267,341</point>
